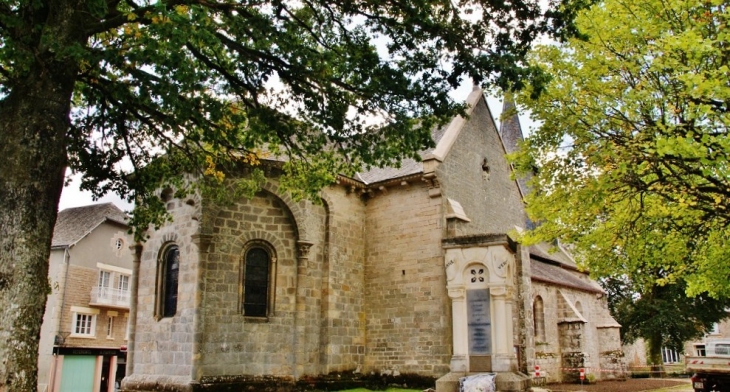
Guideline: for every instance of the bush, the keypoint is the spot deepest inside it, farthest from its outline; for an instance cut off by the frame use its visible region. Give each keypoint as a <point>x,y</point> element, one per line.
<point>640,374</point>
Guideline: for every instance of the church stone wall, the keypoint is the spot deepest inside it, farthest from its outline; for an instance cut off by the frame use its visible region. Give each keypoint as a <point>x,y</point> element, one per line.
<point>569,341</point>
<point>407,307</point>
<point>164,347</point>
<point>343,273</point>
<point>547,349</point>
<point>209,337</point>
<point>233,344</point>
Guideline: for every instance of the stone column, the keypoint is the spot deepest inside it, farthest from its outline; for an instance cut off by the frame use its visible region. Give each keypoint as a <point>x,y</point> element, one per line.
<point>460,331</point>
<point>501,323</point>
<point>136,257</point>
<point>509,309</point>
<point>97,372</point>
<point>299,334</point>
<point>203,242</point>
<point>111,377</point>
<point>303,247</point>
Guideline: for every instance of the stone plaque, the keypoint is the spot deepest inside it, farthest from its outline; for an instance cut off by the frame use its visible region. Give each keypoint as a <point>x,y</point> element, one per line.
<point>480,363</point>
<point>479,322</point>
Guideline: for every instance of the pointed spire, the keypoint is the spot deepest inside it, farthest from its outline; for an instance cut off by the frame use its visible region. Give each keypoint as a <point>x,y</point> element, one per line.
<point>511,133</point>
<point>510,128</point>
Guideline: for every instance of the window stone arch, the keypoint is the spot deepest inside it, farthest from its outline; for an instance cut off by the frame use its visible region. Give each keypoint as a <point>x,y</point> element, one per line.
<point>257,285</point>
<point>538,315</point>
<point>168,274</point>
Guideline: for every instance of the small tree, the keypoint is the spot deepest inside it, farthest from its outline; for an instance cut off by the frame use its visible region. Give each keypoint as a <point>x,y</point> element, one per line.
<point>664,316</point>
<point>633,147</point>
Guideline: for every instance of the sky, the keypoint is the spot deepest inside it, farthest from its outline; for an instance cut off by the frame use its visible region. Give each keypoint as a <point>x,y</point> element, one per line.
<point>72,196</point>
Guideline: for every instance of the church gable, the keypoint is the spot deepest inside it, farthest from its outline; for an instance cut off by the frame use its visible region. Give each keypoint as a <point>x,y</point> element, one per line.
<point>475,174</point>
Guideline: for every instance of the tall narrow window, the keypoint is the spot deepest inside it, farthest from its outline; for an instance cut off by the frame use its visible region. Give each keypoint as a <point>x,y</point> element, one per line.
<point>123,283</point>
<point>256,283</point>
<point>110,327</point>
<point>579,308</point>
<point>538,314</point>
<point>123,287</point>
<point>105,278</point>
<point>167,282</point>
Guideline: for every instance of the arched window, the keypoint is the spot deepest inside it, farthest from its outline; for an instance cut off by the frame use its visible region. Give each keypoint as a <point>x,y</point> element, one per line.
<point>256,282</point>
<point>579,308</point>
<point>167,281</point>
<point>538,315</point>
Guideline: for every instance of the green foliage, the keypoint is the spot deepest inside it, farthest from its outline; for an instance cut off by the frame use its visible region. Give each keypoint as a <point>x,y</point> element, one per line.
<point>664,316</point>
<point>328,87</point>
<point>630,162</point>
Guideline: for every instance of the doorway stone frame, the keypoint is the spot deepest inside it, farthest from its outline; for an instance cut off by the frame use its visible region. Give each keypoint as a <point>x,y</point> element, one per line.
<point>494,253</point>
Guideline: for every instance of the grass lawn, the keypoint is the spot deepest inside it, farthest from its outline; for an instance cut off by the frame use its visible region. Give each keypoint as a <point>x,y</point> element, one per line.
<point>387,390</point>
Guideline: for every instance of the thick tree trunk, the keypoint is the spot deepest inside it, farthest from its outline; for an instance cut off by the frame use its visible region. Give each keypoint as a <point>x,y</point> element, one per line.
<point>34,118</point>
<point>32,155</point>
<point>655,355</point>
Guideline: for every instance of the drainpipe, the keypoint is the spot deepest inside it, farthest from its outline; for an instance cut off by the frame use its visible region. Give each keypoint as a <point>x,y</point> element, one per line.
<point>136,257</point>
<point>66,259</point>
<point>54,367</point>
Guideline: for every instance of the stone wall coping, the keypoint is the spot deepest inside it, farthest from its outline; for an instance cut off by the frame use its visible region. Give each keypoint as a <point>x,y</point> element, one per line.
<point>479,240</point>
<point>604,326</point>
<point>573,320</point>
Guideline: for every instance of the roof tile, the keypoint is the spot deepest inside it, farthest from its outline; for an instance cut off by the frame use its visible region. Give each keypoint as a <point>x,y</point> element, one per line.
<point>73,224</point>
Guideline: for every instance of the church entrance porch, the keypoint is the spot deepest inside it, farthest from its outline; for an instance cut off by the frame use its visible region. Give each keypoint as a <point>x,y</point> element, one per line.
<point>480,282</point>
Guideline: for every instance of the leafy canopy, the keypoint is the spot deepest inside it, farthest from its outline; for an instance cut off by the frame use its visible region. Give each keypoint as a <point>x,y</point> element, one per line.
<point>631,159</point>
<point>200,86</point>
<point>661,315</point>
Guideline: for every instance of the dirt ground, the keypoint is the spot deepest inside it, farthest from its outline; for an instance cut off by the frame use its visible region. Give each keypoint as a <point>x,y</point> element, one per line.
<point>630,385</point>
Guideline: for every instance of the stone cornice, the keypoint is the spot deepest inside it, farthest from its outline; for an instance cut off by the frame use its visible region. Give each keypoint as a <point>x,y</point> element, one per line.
<point>381,187</point>
<point>479,240</point>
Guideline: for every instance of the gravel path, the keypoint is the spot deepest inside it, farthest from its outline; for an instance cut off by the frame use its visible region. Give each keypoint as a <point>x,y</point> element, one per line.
<point>630,385</point>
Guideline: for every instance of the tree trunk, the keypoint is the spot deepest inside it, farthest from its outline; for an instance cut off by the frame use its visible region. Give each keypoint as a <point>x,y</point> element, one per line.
<point>655,355</point>
<point>34,119</point>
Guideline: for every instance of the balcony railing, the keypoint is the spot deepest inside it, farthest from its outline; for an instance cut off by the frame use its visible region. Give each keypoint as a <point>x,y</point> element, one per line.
<point>109,297</point>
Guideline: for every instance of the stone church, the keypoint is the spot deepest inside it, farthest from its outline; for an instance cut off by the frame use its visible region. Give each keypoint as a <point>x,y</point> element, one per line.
<point>406,271</point>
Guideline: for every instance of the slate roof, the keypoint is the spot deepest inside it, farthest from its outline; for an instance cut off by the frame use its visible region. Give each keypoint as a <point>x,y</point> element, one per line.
<point>546,251</point>
<point>408,166</point>
<point>73,224</point>
<point>560,275</point>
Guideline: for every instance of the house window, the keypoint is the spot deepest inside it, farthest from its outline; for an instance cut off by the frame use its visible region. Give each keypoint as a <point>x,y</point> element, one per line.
<point>715,329</point>
<point>700,350</point>
<point>669,355</point>
<point>722,349</point>
<point>167,282</point>
<point>84,324</point>
<point>105,278</point>
<point>110,327</point>
<point>256,282</point>
<point>538,314</point>
<point>123,287</point>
